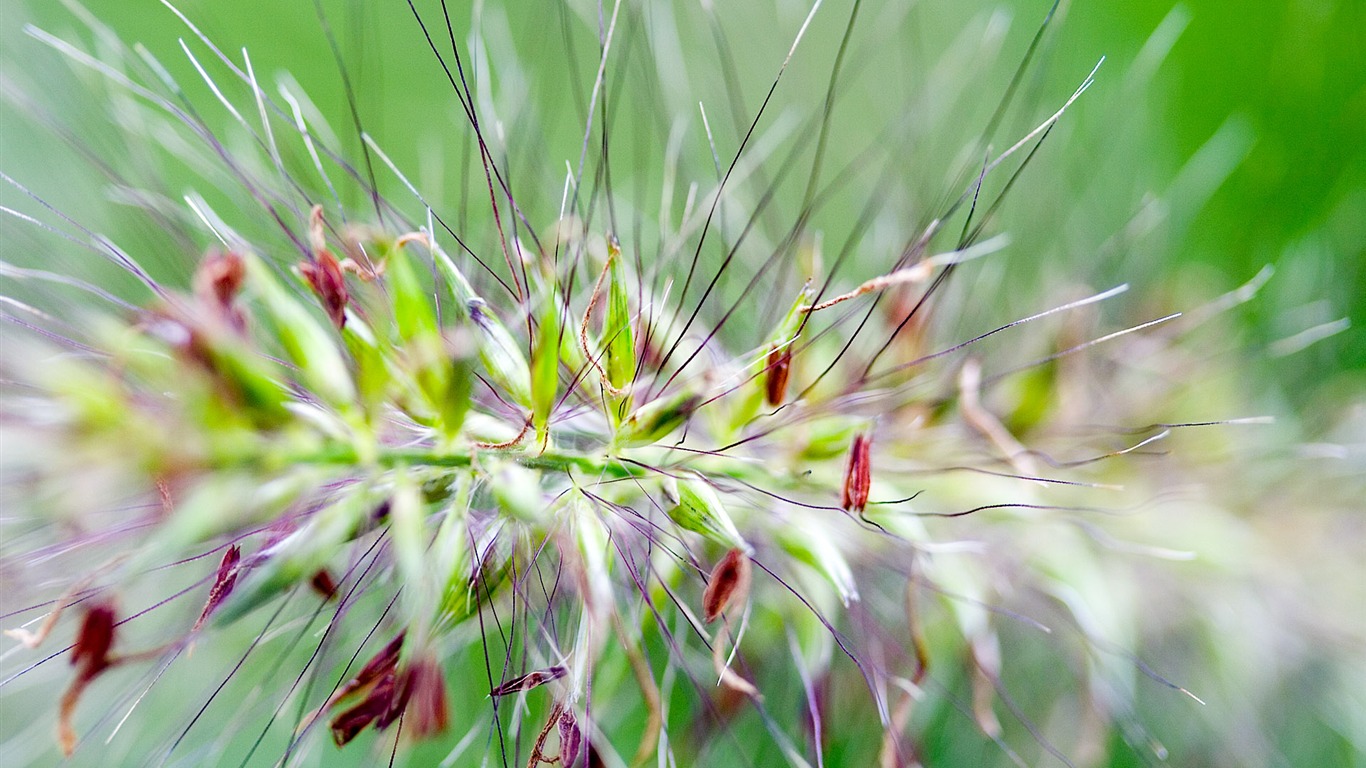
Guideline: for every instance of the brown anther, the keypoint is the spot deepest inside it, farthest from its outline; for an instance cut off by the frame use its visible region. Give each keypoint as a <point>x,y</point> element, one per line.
<point>571,738</point>
<point>727,585</point>
<point>324,274</point>
<point>417,693</point>
<point>217,281</point>
<point>424,691</point>
<point>323,583</point>
<point>530,680</point>
<point>317,230</point>
<point>374,708</point>
<point>380,664</point>
<point>223,582</point>
<point>779,366</point>
<point>90,656</point>
<point>858,474</point>
<point>378,679</point>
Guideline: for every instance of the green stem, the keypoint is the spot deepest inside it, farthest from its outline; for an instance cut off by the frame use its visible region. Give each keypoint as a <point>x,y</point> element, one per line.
<point>417,457</point>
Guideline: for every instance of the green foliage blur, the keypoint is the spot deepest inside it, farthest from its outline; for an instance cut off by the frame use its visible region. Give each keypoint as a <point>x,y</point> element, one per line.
<point>1252,131</point>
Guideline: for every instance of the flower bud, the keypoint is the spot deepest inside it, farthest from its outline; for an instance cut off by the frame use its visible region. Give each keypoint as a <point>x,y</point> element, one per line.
<point>545,367</point>
<point>594,546</point>
<point>412,305</point>
<point>455,402</point>
<point>500,354</point>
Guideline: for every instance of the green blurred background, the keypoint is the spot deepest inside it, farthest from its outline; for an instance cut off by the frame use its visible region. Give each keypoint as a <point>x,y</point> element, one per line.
<point>1251,132</point>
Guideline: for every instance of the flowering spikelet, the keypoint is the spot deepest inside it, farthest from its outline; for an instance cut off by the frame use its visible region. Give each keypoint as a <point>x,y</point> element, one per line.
<point>776,372</point>
<point>324,273</point>
<point>223,582</point>
<point>858,473</point>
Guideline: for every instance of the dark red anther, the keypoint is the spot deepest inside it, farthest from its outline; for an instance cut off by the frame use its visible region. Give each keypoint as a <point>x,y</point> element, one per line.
<point>382,663</point>
<point>728,583</point>
<point>323,583</point>
<point>223,582</point>
<point>217,280</point>
<point>779,367</point>
<point>424,694</point>
<point>858,474</point>
<point>383,701</point>
<point>90,655</point>
<point>571,738</point>
<point>374,708</point>
<point>324,273</point>
<point>530,680</point>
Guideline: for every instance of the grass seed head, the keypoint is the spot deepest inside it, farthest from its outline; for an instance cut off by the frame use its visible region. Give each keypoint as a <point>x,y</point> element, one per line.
<point>364,439</point>
<point>858,473</point>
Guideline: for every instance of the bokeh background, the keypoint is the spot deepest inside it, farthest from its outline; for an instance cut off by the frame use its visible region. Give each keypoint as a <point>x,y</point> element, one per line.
<point>1245,121</point>
<point>1218,139</point>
